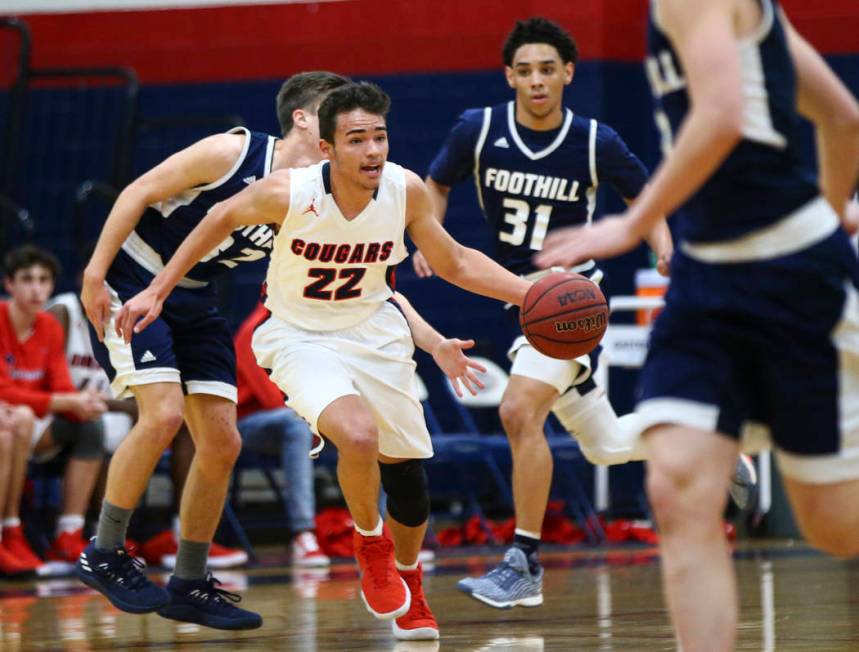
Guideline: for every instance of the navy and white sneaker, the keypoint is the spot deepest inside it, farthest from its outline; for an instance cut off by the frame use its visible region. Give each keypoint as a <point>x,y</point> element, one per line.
<point>117,575</point>
<point>509,584</point>
<point>202,602</point>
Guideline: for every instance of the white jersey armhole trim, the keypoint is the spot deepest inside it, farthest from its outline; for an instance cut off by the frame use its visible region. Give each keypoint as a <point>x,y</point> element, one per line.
<point>245,146</point>
<point>763,30</point>
<point>269,156</point>
<point>514,134</point>
<point>591,192</point>
<point>478,148</point>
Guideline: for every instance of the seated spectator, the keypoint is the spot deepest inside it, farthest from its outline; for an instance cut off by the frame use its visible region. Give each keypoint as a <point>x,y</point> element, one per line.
<point>34,372</point>
<point>16,424</point>
<point>269,427</point>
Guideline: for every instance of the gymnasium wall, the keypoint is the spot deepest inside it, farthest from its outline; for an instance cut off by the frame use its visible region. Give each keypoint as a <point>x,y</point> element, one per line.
<point>435,58</point>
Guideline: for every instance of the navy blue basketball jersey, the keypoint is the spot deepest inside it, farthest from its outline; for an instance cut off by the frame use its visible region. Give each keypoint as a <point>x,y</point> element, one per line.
<point>530,182</point>
<point>165,225</point>
<point>763,179</point>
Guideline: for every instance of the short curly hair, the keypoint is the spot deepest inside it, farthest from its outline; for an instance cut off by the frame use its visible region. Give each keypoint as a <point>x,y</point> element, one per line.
<point>540,30</point>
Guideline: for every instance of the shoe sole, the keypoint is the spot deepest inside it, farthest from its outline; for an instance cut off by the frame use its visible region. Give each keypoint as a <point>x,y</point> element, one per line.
<point>401,611</point>
<point>418,634</point>
<point>187,614</point>
<point>532,601</point>
<point>313,563</point>
<point>218,563</point>
<point>127,607</point>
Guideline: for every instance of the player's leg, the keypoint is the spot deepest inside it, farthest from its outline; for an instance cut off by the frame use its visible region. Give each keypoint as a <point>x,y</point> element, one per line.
<point>518,579</point>
<point>194,594</point>
<point>686,476</point>
<point>349,424</point>
<point>408,508</point>
<point>379,360</point>
<point>827,514</point>
<point>212,423</point>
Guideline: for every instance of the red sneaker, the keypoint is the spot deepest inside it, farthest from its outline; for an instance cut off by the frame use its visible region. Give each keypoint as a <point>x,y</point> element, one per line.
<point>67,547</point>
<point>418,624</point>
<point>161,550</point>
<point>222,557</point>
<point>11,566</point>
<point>385,594</point>
<point>16,543</point>
<point>156,548</point>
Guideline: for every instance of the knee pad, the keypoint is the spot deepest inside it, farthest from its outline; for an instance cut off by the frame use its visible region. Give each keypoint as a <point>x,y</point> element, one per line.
<point>408,493</point>
<point>603,437</point>
<point>84,440</point>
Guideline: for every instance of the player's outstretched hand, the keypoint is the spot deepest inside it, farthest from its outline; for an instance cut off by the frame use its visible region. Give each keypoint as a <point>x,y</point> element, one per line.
<point>96,302</point>
<point>422,268</point>
<point>609,237</point>
<point>137,313</point>
<point>458,367</point>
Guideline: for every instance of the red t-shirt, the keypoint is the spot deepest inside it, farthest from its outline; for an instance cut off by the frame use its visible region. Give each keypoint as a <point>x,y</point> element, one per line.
<point>32,370</point>
<point>256,390</point>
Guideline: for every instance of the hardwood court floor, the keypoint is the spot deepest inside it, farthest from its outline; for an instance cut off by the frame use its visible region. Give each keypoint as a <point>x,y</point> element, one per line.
<point>606,600</point>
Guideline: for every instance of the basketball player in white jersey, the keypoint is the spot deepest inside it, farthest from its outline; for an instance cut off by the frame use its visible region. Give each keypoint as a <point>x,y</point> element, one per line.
<point>335,344</point>
<point>761,322</point>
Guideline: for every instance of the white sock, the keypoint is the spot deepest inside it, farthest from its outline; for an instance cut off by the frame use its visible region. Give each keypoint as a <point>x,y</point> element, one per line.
<point>375,532</point>
<point>407,567</point>
<point>526,533</point>
<point>12,522</point>
<point>69,523</point>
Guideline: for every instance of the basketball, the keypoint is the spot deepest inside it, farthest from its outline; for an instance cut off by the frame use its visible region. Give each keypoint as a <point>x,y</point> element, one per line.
<point>564,315</point>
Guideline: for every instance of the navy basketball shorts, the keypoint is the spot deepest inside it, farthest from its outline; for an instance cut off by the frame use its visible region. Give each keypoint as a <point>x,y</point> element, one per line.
<point>189,343</point>
<point>772,343</point>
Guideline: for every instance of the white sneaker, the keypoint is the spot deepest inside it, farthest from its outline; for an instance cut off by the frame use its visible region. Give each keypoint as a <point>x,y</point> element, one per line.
<point>306,552</point>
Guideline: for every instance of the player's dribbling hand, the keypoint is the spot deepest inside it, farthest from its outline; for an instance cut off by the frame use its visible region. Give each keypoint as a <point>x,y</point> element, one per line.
<point>458,367</point>
<point>95,300</point>
<point>137,313</point>
<point>609,237</point>
<point>422,268</point>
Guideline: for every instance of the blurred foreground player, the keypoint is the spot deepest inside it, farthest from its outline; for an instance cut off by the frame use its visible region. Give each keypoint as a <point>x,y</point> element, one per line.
<point>762,317</point>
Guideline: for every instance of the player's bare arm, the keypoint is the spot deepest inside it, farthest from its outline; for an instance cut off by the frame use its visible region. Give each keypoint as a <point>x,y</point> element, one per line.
<point>438,197</point>
<point>823,99</point>
<point>203,162</point>
<point>703,32</point>
<point>263,202</point>
<point>462,266</point>
<point>448,353</point>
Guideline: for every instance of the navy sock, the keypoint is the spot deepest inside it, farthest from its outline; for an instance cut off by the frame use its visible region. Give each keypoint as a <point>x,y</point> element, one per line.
<point>530,546</point>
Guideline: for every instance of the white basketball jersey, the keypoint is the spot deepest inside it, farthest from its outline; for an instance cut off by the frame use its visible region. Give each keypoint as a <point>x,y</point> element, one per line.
<point>329,273</point>
<point>84,368</point>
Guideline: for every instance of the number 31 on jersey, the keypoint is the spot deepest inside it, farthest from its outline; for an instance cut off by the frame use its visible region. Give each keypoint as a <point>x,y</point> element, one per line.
<point>517,214</point>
